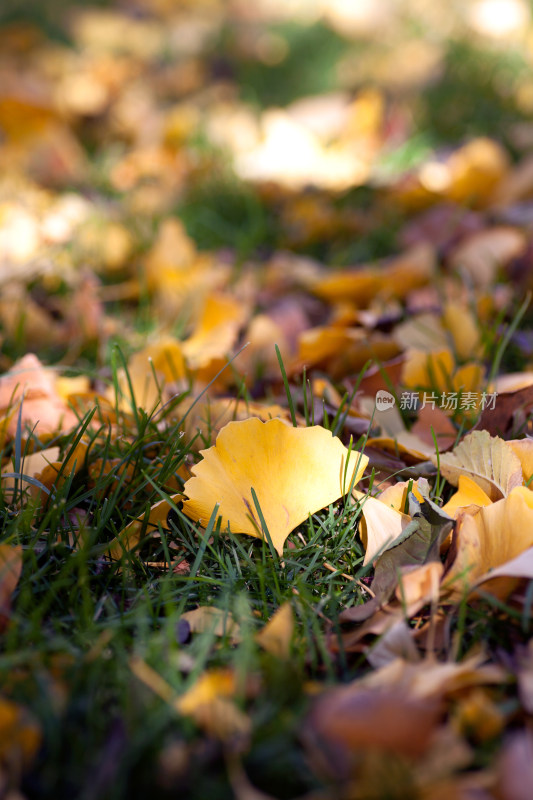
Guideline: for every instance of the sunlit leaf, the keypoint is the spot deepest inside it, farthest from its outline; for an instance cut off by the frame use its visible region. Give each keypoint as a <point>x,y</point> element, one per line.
<point>293,471</point>
<point>487,460</point>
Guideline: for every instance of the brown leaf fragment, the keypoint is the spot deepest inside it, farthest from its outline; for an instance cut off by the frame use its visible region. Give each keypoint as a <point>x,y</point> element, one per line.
<point>350,719</point>
<point>509,411</point>
<point>515,767</point>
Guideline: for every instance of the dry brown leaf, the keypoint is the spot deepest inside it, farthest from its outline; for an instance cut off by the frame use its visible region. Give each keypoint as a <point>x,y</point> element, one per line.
<point>510,411</point>
<point>355,718</point>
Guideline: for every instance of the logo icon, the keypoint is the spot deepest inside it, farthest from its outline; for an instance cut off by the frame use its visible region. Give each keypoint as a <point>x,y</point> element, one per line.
<point>384,400</point>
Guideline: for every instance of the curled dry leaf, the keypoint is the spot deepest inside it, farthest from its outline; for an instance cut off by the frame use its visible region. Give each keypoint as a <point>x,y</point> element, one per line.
<point>488,460</point>
<point>293,471</point>
<point>380,528</point>
<point>487,540</point>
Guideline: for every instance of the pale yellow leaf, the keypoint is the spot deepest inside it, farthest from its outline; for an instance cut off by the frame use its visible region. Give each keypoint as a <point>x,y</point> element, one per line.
<point>382,526</point>
<point>487,460</point>
<point>210,618</point>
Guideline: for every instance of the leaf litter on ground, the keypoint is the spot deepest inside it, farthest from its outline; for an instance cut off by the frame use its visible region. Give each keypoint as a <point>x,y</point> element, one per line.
<point>265,402</point>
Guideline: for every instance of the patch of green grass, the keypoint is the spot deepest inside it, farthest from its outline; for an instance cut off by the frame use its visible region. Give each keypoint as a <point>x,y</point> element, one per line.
<point>222,212</point>
<point>78,618</point>
<point>474,97</point>
<point>308,68</point>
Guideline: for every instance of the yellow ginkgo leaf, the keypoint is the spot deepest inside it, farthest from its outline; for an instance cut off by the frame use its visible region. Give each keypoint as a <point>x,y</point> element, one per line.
<point>276,636</point>
<point>149,370</point>
<point>464,330</point>
<point>428,369</point>
<point>523,449</point>
<point>380,528</point>
<point>468,494</point>
<point>215,331</point>
<point>487,459</point>
<point>209,702</point>
<point>293,472</point>
<point>488,539</point>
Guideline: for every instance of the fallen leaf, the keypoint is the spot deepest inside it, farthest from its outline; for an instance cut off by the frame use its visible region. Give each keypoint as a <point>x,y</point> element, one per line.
<point>515,766</point>
<point>215,620</point>
<point>380,528</point>
<point>483,253</point>
<point>20,735</point>
<point>464,330</point>
<point>419,585</point>
<point>276,636</point>
<point>354,718</point>
<point>433,425</point>
<point>523,449</point>
<point>478,717</point>
<point>468,494</point>
<point>487,460</point>
<point>418,544</point>
<point>293,471</point>
<point>511,409</point>
<point>209,702</point>
<point>396,642</point>
<point>487,540</point>
<point>43,409</point>
<point>31,465</point>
